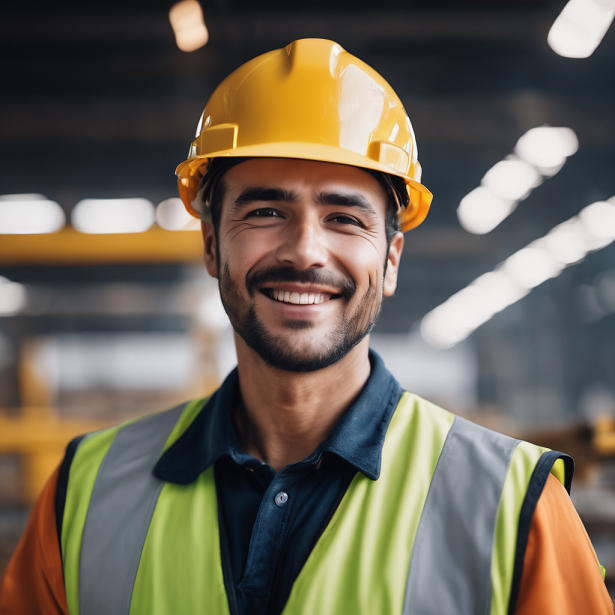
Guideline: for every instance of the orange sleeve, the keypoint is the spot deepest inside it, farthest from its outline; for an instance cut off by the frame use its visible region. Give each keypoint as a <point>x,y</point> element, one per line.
<point>560,572</point>
<point>34,581</point>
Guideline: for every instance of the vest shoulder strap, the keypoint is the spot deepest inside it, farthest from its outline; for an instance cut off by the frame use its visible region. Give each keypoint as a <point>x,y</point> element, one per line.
<point>458,530</point>
<point>454,542</point>
<point>541,472</point>
<point>121,507</point>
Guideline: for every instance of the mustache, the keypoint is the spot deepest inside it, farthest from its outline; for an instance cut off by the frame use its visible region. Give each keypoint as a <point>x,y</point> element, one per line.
<point>346,287</point>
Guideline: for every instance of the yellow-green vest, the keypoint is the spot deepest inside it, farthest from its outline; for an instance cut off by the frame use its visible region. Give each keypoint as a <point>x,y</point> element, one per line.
<point>436,534</point>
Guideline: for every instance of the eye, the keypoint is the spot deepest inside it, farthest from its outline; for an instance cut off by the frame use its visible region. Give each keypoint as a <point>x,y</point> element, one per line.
<point>263,212</point>
<point>344,219</point>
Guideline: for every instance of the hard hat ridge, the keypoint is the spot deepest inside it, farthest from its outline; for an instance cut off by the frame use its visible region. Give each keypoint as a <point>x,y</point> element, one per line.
<point>310,100</point>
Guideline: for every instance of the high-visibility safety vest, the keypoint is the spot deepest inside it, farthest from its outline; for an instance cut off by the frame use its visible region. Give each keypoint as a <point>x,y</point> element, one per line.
<point>438,533</point>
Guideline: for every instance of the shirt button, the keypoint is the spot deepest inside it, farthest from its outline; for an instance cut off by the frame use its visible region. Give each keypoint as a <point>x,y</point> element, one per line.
<point>281,498</point>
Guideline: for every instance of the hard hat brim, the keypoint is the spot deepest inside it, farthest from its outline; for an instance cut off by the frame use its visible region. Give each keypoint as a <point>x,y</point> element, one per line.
<point>191,171</point>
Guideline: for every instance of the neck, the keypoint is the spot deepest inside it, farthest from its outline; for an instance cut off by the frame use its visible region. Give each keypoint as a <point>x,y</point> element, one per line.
<point>286,415</point>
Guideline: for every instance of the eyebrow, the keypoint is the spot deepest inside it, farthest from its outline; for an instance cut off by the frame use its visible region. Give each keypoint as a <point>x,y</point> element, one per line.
<point>254,195</point>
<point>259,194</point>
<point>346,200</point>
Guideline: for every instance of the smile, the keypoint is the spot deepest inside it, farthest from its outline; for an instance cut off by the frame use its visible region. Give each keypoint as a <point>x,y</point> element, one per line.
<point>299,298</point>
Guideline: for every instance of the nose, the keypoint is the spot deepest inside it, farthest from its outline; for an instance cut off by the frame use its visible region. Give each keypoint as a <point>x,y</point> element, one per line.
<point>302,244</point>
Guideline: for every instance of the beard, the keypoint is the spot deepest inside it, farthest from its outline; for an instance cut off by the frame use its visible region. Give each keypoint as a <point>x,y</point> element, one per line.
<point>345,334</point>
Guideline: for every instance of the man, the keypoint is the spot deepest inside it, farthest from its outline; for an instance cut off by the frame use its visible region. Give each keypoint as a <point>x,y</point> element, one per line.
<point>310,482</point>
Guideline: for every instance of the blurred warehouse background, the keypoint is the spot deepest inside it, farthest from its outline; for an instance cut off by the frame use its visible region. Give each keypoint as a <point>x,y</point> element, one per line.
<point>505,310</point>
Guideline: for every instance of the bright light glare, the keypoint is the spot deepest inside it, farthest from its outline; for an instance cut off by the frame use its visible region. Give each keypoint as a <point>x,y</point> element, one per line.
<point>467,307</point>
<point>465,311</point>
<point>481,211</point>
<point>186,17</point>
<point>25,214</point>
<point>599,219</point>
<point>547,146</point>
<point>511,179</point>
<point>568,242</point>
<point>531,266</point>
<point>541,152</point>
<point>171,215</point>
<point>13,297</point>
<point>441,331</point>
<point>580,27</point>
<point>113,215</point>
<point>501,291</point>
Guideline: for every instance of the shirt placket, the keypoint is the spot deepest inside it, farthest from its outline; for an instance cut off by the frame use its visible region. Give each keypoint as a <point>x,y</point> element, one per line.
<point>268,537</point>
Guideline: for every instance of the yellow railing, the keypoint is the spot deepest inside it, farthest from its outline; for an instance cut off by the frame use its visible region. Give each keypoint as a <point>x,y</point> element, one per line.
<point>39,437</point>
<point>69,247</point>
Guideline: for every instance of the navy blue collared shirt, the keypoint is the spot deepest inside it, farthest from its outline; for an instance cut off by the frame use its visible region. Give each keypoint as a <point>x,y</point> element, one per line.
<point>269,522</point>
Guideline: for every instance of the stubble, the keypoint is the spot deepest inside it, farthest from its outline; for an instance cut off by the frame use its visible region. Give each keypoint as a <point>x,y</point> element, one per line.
<point>344,334</point>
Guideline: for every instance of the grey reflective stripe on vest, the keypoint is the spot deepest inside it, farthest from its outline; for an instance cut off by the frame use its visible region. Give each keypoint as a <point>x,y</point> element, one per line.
<point>122,504</point>
<point>450,567</point>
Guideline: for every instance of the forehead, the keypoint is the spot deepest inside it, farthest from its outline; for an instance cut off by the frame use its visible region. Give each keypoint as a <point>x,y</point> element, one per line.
<point>304,177</point>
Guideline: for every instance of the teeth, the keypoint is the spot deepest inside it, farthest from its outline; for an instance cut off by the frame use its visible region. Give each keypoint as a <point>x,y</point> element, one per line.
<point>298,299</point>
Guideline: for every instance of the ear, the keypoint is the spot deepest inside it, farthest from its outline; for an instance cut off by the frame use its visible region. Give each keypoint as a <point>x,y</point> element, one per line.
<point>393,260</point>
<point>209,248</point>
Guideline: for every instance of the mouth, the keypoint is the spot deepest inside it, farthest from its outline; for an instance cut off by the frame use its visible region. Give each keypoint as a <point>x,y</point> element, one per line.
<point>296,298</point>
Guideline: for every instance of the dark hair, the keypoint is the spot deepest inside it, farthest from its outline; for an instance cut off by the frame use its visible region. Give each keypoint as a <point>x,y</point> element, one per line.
<point>395,189</point>
<point>213,196</point>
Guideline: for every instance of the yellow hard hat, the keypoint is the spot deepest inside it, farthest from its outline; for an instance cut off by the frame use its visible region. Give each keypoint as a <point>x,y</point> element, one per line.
<point>310,100</point>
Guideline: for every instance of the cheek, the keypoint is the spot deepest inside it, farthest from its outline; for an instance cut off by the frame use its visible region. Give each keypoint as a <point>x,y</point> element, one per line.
<point>243,253</point>
<point>363,260</point>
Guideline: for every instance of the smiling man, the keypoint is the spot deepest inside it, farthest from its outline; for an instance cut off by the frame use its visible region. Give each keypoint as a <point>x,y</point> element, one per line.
<point>310,482</point>
<point>309,240</point>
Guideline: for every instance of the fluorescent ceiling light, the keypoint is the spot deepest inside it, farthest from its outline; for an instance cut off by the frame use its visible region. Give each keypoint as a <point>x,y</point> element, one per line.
<point>502,290</point>
<point>531,266</point>
<point>567,243</point>
<point>455,319</point>
<point>441,331</point>
<point>13,297</point>
<point>481,211</point>
<point>171,215</point>
<point>599,219</point>
<point>580,27</point>
<point>25,214</point>
<point>547,147</point>
<point>511,179</point>
<point>113,215</point>
<point>186,18</point>
<point>541,152</point>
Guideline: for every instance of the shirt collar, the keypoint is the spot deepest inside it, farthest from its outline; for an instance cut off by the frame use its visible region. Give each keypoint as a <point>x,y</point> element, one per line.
<point>357,438</point>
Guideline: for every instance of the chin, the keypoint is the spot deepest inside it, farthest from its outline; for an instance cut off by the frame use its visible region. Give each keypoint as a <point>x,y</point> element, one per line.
<point>310,357</point>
